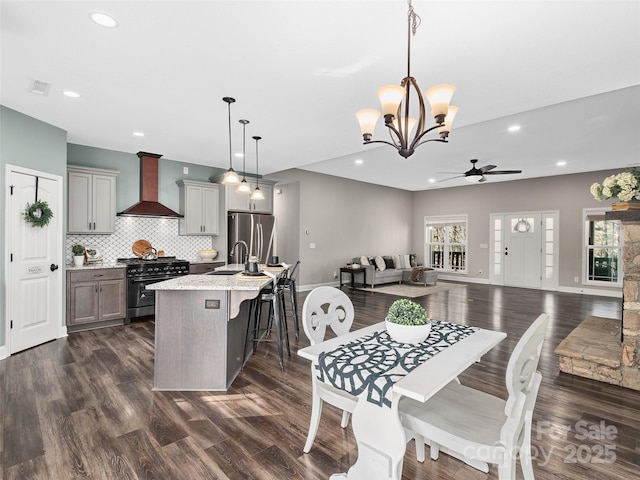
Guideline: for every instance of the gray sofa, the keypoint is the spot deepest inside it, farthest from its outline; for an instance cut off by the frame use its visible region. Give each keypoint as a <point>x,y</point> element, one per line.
<point>391,274</point>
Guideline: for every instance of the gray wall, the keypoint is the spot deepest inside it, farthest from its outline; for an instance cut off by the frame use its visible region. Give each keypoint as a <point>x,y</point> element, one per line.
<point>28,143</point>
<point>345,219</point>
<point>569,194</point>
<point>286,208</point>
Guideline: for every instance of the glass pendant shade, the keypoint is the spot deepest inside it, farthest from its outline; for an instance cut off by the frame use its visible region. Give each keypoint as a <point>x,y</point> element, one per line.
<point>257,194</point>
<point>368,119</point>
<point>231,177</point>
<point>439,97</point>
<point>390,97</point>
<point>412,124</point>
<point>448,121</point>
<point>244,187</point>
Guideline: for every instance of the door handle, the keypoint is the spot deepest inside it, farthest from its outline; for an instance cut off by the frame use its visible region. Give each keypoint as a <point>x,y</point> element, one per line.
<point>53,267</point>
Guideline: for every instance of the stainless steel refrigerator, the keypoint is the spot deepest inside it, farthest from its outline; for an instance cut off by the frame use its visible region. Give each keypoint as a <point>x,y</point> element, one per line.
<point>256,230</point>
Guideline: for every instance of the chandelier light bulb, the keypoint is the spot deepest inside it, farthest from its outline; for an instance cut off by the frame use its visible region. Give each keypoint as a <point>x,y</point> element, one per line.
<point>439,97</point>
<point>390,98</point>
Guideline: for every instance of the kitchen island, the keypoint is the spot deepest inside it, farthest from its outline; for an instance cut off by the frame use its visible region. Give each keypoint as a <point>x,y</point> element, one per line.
<point>201,325</point>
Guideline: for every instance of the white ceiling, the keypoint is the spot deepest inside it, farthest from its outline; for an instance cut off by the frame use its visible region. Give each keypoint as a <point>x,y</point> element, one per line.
<point>568,72</point>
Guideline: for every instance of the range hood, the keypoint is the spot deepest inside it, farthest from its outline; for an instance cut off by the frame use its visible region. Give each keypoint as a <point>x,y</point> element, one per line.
<point>148,206</point>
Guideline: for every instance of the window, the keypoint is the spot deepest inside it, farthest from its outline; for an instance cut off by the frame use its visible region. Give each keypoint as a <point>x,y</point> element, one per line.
<point>603,248</point>
<point>446,243</point>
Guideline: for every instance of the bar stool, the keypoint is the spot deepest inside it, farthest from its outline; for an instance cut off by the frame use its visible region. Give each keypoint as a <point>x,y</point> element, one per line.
<point>274,296</point>
<point>289,283</point>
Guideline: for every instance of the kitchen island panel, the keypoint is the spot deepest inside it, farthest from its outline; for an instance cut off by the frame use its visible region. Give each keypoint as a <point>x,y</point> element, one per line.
<point>191,340</point>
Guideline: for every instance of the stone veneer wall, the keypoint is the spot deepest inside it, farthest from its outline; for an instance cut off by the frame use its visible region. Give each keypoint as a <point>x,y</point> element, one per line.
<point>162,233</point>
<point>631,308</point>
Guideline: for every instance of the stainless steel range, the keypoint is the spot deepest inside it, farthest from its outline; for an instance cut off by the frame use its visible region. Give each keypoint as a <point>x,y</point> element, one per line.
<point>141,273</point>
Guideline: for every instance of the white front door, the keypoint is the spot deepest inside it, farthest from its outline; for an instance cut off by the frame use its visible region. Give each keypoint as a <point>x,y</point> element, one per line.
<point>34,270</point>
<point>522,254</point>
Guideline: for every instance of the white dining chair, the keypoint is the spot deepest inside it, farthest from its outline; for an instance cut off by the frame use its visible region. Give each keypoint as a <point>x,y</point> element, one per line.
<point>326,307</point>
<point>479,428</point>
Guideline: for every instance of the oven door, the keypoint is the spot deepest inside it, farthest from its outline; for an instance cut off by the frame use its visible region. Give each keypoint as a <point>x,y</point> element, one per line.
<point>137,294</point>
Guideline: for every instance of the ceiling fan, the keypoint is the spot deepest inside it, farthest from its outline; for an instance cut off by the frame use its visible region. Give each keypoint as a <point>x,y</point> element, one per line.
<point>476,174</point>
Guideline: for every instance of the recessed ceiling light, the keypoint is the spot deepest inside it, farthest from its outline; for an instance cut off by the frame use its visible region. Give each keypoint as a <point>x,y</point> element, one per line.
<point>71,94</point>
<point>561,163</point>
<point>138,134</point>
<point>432,180</point>
<point>238,155</point>
<point>359,161</point>
<point>514,128</point>
<point>104,20</point>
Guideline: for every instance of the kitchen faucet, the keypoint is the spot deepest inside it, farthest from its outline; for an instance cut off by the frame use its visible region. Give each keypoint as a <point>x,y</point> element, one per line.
<point>246,251</point>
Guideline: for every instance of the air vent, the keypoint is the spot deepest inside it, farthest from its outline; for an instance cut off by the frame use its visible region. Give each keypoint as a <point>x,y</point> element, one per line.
<point>40,88</point>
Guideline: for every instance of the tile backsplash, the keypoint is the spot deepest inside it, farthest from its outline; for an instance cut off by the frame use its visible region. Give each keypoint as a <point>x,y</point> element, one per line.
<point>162,233</point>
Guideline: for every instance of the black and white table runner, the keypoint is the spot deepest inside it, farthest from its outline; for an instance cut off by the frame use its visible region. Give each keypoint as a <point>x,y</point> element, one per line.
<point>372,364</point>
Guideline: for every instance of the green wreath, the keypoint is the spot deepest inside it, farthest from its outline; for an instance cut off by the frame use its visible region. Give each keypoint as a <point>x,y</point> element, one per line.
<point>38,214</point>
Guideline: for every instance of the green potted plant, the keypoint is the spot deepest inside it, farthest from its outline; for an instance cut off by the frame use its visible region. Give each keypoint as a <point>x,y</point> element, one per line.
<point>407,322</point>
<point>78,255</point>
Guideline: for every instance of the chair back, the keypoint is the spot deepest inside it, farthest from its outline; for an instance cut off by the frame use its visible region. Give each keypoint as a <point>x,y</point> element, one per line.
<point>326,306</point>
<point>523,380</point>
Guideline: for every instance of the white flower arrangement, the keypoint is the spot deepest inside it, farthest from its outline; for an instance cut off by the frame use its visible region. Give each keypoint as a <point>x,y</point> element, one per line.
<point>624,186</point>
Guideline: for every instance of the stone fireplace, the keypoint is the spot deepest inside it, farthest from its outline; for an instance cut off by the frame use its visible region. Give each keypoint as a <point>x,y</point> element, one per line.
<point>606,349</point>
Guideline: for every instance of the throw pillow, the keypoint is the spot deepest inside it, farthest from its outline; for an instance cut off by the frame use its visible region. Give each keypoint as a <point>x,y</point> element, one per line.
<point>406,261</point>
<point>388,263</point>
<point>364,260</point>
<point>401,263</point>
<point>396,262</point>
<point>380,263</point>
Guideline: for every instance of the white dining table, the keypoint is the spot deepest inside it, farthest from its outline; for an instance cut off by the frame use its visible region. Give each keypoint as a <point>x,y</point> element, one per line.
<point>380,437</point>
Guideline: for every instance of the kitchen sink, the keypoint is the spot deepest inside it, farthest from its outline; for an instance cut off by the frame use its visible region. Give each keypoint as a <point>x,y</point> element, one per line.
<point>223,272</point>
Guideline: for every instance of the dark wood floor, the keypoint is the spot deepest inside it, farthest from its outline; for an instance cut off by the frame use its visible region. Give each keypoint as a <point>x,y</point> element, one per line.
<point>82,407</point>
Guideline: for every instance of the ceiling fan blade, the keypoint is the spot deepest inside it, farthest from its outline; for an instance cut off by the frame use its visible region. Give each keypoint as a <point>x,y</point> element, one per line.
<point>503,172</point>
<point>483,179</point>
<point>450,173</point>
<point>486,168</point>
<point>451,178</point>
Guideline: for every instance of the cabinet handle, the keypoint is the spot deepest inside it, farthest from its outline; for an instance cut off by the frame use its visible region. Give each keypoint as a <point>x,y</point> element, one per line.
<point>96,288</point>
<point>89,225</point>
<point>204,228</point>
<point>94,225</point>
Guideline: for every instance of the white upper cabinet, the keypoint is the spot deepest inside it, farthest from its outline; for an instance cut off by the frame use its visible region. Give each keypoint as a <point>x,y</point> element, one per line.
<point>199,203</point>
<point>92,200</point>
<point>241,202</point>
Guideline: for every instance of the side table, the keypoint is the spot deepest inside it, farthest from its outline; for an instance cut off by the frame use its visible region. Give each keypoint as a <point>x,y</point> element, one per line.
<point>353,272</point>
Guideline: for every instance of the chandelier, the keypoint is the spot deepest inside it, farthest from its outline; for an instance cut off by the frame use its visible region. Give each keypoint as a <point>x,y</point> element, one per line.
<point>395,101</point>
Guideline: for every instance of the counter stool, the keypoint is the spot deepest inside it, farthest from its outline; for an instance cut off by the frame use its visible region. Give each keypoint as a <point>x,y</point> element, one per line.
<point>274,296</point>
<point>289,282</point>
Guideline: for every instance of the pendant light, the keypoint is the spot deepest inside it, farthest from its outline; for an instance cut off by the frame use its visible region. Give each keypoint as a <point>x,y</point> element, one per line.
<point>257,193</point>
<point>231,177</point>
<point>244,186</point>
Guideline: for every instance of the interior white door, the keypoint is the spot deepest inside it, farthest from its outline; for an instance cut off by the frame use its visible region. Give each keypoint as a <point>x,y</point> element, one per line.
<point>522,250</point>
<point>34,271</point>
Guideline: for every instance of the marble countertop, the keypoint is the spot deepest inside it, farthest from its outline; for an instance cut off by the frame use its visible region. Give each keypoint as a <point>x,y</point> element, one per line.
<point>213,282</point>
<point>93,266</point>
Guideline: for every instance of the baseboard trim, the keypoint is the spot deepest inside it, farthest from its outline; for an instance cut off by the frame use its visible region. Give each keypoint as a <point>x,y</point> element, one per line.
<point>591,291</point>
<point>3,352</point>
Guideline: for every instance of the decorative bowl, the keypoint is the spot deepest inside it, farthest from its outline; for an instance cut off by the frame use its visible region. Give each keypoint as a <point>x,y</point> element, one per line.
<point>207,255</point>
<point>408,333</point>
